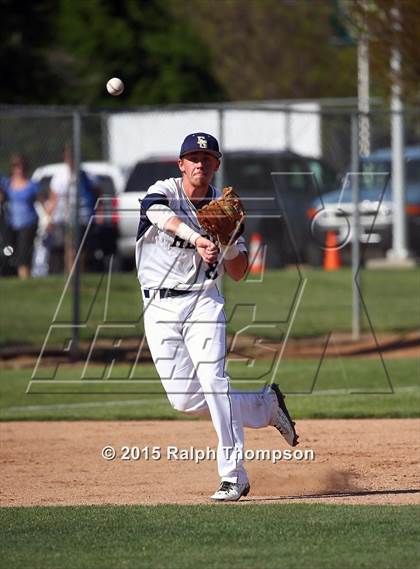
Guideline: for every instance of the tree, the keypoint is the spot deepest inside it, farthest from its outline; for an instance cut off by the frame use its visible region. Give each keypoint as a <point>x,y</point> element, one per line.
<point>378,18</point>
<point>64,51</point>
<point>160,59</point>
<point>26,36</point>
<point>271,49</point>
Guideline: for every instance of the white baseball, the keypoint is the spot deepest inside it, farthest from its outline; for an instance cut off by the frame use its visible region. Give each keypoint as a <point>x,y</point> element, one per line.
<point>115,86</point>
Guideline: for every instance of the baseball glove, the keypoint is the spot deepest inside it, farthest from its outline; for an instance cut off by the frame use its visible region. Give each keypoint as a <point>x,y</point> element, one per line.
<point>222,218</point>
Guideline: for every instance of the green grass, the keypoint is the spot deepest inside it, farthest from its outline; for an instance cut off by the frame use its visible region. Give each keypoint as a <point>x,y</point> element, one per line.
<point>31,306</point>
<point>297,536</point>
<point>391,297</point>
<point>265,308</point>
<point>345,388</point>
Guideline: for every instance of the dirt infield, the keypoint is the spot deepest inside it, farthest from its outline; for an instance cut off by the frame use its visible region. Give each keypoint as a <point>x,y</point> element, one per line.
<point>60,463</point>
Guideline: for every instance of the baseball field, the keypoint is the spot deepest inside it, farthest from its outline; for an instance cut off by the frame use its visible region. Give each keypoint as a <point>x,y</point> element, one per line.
<point>99,471</point>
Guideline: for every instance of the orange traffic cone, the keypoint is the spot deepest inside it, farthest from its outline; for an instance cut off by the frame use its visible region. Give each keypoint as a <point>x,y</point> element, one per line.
<point>256,254</point>
<point>332,261</point>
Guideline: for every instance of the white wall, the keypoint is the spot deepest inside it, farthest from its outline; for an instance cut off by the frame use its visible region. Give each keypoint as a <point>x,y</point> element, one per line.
<point>136,136</point>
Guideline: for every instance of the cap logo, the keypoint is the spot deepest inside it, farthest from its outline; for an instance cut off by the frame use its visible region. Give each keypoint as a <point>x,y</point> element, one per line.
<point>202,142</point>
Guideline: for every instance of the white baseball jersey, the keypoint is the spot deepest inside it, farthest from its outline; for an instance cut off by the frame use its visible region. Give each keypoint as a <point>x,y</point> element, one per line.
<point>167,261</point>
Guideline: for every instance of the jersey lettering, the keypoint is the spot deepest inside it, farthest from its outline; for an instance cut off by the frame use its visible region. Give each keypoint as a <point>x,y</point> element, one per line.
<point>211,272</point>
<point>178,242</point>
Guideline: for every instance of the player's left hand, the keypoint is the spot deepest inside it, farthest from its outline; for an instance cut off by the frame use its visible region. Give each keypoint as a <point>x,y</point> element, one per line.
<point>223,217</point>
<point>207,250</point>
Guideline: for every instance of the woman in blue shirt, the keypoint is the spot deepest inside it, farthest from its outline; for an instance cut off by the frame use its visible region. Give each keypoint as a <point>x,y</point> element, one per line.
<point>20,194</point>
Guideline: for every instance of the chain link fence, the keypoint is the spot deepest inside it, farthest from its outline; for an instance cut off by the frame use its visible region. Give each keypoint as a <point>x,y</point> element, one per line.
<point>305,146</point>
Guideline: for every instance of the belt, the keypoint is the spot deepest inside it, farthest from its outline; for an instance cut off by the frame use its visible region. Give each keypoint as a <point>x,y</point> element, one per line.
<point>165,292</point>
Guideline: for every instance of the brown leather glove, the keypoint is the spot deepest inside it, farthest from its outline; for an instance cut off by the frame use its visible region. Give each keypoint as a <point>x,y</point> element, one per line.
<point>223,218</point>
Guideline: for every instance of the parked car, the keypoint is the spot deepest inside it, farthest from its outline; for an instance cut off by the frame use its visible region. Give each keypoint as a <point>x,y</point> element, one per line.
<point>142,176</point>
<point>376,205</point>
<point>249,172</point>
<point>111,182</point>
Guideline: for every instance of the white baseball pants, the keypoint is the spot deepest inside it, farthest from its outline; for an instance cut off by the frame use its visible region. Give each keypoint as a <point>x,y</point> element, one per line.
<point>187,339</point>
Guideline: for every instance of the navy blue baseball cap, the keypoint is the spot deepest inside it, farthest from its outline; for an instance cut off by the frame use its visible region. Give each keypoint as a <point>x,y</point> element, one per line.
<point>200,141</point>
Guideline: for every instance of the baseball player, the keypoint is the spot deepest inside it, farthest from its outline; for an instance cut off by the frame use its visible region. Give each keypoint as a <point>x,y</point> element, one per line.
<point>179,269</point>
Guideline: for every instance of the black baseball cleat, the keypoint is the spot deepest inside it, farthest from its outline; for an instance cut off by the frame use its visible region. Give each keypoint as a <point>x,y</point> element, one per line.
<point>283,421</point>
<point>230,491</point>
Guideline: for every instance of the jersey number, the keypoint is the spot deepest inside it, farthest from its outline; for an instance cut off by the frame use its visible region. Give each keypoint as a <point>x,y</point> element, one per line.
<point>178,242</point>
<point>211,272</point>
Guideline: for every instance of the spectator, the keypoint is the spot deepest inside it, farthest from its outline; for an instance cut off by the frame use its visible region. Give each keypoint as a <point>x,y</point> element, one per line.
<point>5,249</point>
<point>20,194</point>
<point>61,247</point>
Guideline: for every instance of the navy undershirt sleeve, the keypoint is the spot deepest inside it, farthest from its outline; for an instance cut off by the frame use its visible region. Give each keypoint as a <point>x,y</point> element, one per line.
<point>152,199</point>
<point>148,201</point>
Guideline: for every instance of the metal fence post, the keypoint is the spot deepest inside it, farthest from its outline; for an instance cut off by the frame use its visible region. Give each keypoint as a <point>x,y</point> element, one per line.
<point>399,249</point>
<point>77,128</point>
<point>355,227</point>
<point>104,136</point>
<point>288,129</point>
<point>220,174</point>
